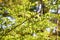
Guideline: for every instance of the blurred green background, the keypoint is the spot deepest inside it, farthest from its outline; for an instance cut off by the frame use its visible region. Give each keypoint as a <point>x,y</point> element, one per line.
<point>29,19</point>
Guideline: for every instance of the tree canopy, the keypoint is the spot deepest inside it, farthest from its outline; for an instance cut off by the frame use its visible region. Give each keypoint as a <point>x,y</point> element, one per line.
<point>29,19</point>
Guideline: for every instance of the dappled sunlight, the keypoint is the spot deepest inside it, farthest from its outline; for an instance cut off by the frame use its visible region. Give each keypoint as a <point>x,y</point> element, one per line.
<point>29,19</point>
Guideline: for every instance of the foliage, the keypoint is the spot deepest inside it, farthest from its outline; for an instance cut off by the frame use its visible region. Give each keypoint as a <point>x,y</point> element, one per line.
<point>22,24</point>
